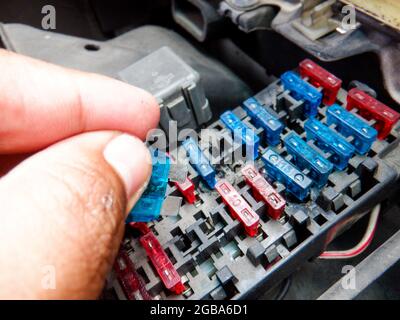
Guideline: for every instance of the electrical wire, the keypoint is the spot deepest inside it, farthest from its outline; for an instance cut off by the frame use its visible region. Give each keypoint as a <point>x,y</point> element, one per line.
<point>362,245</point>
<point>284,289</point>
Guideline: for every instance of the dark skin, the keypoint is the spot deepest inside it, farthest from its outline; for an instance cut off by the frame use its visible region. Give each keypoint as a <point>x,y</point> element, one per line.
<point>72,161</point>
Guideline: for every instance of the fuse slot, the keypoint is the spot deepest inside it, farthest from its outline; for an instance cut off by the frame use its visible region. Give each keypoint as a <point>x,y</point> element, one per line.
<point>302,90</point>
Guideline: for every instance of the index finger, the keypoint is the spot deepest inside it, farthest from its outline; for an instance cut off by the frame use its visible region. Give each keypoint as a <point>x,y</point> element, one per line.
<point>41,103</point>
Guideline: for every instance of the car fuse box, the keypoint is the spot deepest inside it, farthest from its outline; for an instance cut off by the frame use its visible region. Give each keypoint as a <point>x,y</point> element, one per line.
<point>323,160</point>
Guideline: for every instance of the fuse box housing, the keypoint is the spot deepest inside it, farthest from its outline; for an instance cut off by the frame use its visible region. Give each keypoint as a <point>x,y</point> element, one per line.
<point>211,250</point>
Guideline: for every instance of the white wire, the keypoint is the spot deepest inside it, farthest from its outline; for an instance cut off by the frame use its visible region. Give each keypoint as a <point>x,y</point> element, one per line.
<point>362,245</point>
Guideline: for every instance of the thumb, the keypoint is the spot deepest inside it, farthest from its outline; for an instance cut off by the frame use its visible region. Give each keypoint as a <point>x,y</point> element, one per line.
<point>63,212</point>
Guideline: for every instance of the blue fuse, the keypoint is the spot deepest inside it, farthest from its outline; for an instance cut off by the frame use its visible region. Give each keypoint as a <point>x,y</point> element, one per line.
<point>200,162</point>
<point>349,124</point>
<point>331,142</point>
<point>249,138</point>
<point>149,205</point>
<point>307,158</point>
<point>272,126</point>
<point>302,90</point>
<point>283,171</point>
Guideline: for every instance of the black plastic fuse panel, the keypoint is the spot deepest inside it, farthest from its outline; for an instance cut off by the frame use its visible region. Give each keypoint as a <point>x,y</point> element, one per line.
<point>320,174</point>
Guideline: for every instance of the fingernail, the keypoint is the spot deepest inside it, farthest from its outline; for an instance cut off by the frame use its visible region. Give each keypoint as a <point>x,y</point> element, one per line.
<point>136,196</point>
<point>131,160</point>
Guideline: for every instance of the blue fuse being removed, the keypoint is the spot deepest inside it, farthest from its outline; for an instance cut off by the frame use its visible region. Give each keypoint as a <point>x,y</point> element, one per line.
<point>148,207</point>
<point>302,90</point>
<point>283,171</point>
<point>306,157</point>
<point>248,136</point>
<point>331,142</point>
<point>200,162</point>
<point>348,124</point>
<point>262,118</point>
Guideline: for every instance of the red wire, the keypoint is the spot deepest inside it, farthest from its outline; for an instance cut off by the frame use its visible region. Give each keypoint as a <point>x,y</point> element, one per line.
<point>352,253</point>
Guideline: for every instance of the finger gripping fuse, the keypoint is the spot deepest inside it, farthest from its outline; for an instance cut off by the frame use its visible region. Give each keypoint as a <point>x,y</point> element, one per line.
<point>149,205</point>
<point>248,136</point>
<point>263,191</point>
<point>200,162</point>
<point>286,173</point>
<point>302,90</point>
<point>319,77</point>
<point>370,108</point>
<point>330,141</point>
<point>306,157</point>
<point>163,265</point>
<point>272,126</point>
<point>349,124</point>
<point>238,207</point>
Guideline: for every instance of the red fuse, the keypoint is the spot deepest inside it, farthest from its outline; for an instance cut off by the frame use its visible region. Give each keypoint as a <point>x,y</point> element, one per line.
<point>319,77</point>
<point>162,263</point>
<point>141,226</point>
<point>264,191</point>
<point>370,108</point>
<point>238,207</point>
<point>187,190</point>
<point>131,282</point>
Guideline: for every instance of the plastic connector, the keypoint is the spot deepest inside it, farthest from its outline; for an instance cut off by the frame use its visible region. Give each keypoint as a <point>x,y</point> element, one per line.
<point>263,191</point>
<point>187,189</point>
<point>302,90</point>
<point>371,109</point>
<point>248,136</point>
<point>272,126</point>
<point>349,124</point>
<point>306,157</point>
<point>319,77</point>
<point>163,265</point>
<point>330,141</point>
<point>238,207</point>
<point>200,162</point>
<point>286,173</point>
<point>131,282</point>
<point>148,207</point>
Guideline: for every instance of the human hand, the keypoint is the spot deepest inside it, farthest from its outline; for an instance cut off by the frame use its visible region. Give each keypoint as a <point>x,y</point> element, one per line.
<point>67,176</point>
